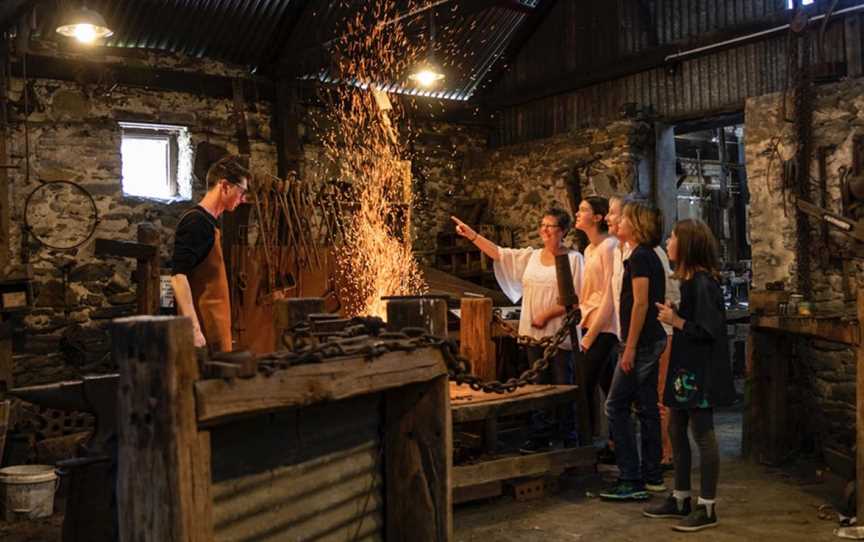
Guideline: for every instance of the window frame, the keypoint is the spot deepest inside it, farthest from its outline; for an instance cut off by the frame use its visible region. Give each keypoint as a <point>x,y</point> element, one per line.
<point>156,132</point>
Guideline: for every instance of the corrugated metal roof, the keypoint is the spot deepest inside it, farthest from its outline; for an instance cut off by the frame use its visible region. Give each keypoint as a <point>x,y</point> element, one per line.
<point>238,31</point>
<point>467,49</point>
<point>718,81</point>
<point>255,32</point>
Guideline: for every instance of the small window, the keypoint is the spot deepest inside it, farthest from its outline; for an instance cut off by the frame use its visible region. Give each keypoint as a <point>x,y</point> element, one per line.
<point>157,161</point>
<point>791,3</point>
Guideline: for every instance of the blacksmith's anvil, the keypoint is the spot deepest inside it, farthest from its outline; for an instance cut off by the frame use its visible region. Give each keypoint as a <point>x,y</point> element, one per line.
<point>91,515</point>
<point>94,394</point>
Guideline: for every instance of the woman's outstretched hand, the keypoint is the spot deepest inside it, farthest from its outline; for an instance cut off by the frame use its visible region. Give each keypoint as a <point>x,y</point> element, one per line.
<point>464,229</point>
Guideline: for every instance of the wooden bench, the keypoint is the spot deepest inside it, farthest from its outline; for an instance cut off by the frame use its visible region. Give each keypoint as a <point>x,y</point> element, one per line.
<point>468,405</point>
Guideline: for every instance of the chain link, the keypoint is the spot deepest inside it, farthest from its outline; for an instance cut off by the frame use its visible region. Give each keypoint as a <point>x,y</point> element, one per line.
<point>363,337</point>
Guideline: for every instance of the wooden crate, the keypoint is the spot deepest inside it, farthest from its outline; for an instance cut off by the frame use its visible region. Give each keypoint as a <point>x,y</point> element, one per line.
<point>287,456</point>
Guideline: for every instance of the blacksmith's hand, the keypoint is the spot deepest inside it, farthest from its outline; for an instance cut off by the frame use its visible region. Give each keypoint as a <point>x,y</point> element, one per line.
<point>199,339</point>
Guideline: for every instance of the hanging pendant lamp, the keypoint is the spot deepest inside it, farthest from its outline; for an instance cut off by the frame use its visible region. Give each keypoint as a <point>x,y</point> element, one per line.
<point>428,73</point>
<point>85,25</point>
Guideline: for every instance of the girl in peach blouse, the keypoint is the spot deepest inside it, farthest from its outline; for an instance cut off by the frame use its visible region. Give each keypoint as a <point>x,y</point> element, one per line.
<point>599,329</point>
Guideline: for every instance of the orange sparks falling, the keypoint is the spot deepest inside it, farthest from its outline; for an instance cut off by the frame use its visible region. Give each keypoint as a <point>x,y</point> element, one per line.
<point>374,256</point>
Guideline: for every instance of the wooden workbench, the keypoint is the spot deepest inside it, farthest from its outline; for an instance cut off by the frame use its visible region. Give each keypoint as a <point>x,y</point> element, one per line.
<point>468,405</point>
<point>363,442</point>
<point>766,421</point>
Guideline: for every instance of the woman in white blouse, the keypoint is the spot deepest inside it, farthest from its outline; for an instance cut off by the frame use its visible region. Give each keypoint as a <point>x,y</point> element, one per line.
<point>529,274</point>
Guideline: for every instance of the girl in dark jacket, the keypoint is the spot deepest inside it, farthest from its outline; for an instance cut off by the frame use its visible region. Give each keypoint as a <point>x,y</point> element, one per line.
<point>699,376</point>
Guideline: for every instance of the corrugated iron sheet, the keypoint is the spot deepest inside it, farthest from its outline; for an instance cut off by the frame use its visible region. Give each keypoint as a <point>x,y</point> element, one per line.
<point>313,473</point>
<point>700,85</point>
<point>238,31</point>
<point>255,32</point>
<point>471,46</point>
<point>585,35</point>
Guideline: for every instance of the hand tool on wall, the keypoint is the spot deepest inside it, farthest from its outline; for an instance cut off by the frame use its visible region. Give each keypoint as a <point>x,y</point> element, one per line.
<point>852,228</point>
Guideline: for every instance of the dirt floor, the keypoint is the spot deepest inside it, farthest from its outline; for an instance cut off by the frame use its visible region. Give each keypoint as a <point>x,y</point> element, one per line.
<point>755,504</point>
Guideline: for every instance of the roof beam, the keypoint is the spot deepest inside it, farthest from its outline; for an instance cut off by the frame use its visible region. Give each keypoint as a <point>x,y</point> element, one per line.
<point>82,71</point>
<point>10,10</point>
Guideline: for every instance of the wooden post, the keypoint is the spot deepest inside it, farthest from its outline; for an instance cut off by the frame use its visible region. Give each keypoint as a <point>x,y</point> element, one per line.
<point>853,45</point>
<point>475,336</point>
<point>287,313</point>
<point>427,312</point>
<point>6,367</point>
<point>5,407</point>
<point>418,462</point>
<point>5,204</point>
<point>163,476</point>
<point>859,403</point>
<point>149,282</point>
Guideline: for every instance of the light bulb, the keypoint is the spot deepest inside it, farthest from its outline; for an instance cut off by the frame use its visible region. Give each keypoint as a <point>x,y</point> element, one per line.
<point>85,33</point>
<point>426,77</point>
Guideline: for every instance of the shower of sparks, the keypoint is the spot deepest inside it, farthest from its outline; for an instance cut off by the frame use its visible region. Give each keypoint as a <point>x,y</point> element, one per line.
<point>373,256</point>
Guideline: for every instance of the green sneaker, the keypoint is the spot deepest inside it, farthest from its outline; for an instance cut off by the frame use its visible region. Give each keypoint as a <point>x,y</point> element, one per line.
<point>626,491</point>
<point>668,509</point>
<point>697,520</point>
<point>655,486</point>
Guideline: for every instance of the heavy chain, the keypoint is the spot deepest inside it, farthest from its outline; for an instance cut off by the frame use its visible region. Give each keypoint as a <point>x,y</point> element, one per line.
<point>549,345</point>
<point>363,337</point>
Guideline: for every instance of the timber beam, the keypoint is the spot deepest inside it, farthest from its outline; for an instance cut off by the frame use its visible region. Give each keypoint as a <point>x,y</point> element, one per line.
<point>10,10</point>
<point>84,71</point>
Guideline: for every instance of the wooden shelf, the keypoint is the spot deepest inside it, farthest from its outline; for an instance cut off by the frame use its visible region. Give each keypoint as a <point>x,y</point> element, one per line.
<point>834,328</point>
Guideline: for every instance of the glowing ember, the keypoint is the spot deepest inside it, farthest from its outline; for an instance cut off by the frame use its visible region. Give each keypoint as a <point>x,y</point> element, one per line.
<point>374,257</point>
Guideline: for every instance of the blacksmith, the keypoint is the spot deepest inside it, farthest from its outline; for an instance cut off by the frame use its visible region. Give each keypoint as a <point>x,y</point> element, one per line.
<point>199,279</point>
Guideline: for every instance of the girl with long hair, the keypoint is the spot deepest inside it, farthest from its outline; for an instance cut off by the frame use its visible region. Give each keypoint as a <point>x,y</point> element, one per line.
<point>699,377</point>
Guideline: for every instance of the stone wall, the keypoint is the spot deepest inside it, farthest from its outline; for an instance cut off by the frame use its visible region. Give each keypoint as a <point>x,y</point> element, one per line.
<point>72,134</point>
<point>521,181</point>
<point>443,155</point>
<point>823,373</point>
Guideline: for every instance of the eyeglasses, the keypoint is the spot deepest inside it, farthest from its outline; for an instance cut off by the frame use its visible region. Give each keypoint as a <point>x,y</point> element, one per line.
<point>548,226</point>
<point>243,189</point>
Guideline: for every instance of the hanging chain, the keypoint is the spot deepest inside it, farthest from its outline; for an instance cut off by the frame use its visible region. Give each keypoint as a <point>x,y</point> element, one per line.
<point>364,337</point>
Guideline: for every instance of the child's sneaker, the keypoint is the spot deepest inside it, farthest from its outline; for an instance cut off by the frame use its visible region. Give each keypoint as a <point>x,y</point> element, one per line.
<point>655,486</point>
<point>697,520</point>
<point>626,491</point>
<point>669,509</point>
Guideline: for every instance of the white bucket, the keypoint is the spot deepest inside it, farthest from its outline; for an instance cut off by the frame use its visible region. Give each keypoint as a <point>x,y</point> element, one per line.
<point>28,491</point>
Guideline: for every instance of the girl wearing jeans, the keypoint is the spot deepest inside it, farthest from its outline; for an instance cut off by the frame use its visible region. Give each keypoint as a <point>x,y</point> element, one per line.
<point>643,285</point>
<point>699,376</point>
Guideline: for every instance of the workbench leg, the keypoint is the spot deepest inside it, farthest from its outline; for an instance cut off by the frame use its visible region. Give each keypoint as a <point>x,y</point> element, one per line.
<point>586,438</point>
<point>778,379</point>
<point>163,471</point>
<point>769,376</point>
<point>859,404</point>
<point>418,463</point>
<point>490,434</point>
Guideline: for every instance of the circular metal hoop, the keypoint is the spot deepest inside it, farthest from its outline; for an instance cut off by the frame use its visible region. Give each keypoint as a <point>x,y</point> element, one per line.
<point>46,240</point>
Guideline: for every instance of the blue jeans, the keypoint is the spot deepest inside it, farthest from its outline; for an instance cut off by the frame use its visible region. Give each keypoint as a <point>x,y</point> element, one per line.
<point>639,386</point>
